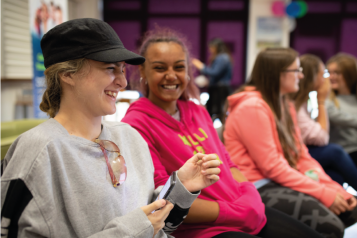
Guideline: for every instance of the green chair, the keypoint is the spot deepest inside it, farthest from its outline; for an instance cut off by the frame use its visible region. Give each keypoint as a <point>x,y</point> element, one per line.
<point>12,129</point>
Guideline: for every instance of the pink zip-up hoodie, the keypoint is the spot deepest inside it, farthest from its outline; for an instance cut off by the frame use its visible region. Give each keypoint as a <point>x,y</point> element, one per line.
<point>173,142</point>
<point>252,141</point>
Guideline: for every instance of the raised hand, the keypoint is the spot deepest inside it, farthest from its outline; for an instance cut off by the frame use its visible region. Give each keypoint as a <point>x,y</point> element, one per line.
<point>199,172</point>
<point>157,218</point>
<point>198,64</point>
<point>324,90</point>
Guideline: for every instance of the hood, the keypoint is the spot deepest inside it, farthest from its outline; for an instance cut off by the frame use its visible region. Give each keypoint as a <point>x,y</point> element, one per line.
<point>145,106</point>
<point>235,99</point>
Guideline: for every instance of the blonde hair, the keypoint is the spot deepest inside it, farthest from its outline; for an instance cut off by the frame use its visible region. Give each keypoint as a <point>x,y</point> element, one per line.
<point>348,65</point>
<point>51,98</point>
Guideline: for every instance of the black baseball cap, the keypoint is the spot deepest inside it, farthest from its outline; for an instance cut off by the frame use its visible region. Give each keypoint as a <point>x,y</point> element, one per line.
<point>85,38</point>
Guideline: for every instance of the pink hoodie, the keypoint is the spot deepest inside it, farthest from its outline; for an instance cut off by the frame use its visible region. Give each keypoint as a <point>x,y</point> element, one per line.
<point>252,141</point>
<point>172,142</point>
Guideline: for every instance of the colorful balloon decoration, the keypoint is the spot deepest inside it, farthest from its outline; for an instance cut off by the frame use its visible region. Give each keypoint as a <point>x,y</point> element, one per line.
<point>295,9</point>
<point>303,9</point>
<point>278,8</point>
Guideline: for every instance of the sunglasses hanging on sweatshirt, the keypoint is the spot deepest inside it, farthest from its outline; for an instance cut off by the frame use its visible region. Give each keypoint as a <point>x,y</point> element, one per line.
<point>117,166</point>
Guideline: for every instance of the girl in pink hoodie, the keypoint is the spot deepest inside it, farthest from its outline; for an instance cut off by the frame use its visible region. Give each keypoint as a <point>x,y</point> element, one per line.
<point>175,128</point>
<point>263,139</point>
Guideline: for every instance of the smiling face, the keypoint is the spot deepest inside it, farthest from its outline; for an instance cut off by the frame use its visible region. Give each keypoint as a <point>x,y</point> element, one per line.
<point>165,71</point>
<point>289,81</point>
<point>97,87</point>
<point>336,78</point>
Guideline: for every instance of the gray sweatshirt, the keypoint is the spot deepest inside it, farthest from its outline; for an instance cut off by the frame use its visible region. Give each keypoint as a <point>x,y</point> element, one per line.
<point>57,185</point>
<point>343,122</point>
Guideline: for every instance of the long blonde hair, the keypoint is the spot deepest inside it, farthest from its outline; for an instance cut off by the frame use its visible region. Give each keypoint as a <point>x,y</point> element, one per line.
<point>51,98</point>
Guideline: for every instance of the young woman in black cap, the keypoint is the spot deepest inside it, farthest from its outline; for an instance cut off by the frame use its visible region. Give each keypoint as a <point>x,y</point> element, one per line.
<point>78,176</point>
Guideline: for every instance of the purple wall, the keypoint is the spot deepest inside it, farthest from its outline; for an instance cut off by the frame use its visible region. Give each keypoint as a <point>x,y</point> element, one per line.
<point>174,6</point>
<point>190,27</point>
<point>125,5</point>
<point>323,7</point>
<point>349,36</point>
<point>322,46</point>
<point>351,7</point>
<point>128,32</point>
<point>198,20</point>
<point>328,27</point>
<point>226,5</point>
<point>233,34</point>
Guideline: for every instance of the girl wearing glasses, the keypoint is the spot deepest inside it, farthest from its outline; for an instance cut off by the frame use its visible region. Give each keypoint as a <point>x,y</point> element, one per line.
<point>263,139</point>
<point>342,108</point>
<point>315,134</point>
<point>78,176</point>
<point>176,128</point>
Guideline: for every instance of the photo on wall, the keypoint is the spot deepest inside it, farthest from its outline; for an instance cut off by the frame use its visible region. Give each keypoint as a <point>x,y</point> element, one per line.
<point>269,33</point>
<point>44,15</point>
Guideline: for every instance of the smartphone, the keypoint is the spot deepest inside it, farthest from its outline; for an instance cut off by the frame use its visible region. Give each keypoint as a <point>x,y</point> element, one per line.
<point>169,185</point>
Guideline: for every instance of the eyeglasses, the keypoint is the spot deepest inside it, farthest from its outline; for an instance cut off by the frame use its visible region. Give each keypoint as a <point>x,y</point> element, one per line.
<point>116,167</point>
<point>299,70</point>
<point>334,72</point>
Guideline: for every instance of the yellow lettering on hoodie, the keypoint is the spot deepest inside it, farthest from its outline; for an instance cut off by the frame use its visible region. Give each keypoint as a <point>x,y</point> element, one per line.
<point>198,137</point>
<point>192,141</point>
<point>200,150</point>
<point>184,140</point>
<point>203,132</point>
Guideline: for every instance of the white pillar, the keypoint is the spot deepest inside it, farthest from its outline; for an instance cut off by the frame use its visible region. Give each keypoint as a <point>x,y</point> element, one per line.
<point>257,9</point>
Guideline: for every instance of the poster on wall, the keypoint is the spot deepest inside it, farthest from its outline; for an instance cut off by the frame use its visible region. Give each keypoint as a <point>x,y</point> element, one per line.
<point>44,15</point>
<point>269,33</point>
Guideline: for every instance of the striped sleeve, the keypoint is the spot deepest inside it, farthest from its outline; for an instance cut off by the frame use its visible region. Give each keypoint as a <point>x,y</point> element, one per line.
<point>19,208</point>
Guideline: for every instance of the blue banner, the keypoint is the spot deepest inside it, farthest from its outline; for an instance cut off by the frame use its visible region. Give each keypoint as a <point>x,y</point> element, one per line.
<point>38,81</point>
<point>44,15</point>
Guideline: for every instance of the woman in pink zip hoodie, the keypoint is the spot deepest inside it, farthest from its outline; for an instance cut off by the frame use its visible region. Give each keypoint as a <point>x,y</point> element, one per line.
<point>175,128</point>
<point>263,139</point>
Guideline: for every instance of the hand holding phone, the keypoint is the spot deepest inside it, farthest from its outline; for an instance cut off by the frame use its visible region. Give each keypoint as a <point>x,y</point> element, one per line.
<point>169,185</point>
<point>158,218</point>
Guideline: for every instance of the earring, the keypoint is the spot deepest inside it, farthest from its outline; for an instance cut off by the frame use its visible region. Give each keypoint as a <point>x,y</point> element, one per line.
<point>141,79</point>
<point>188,78</point>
